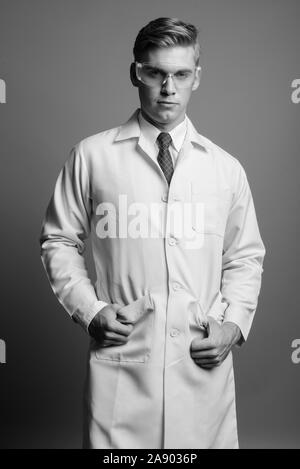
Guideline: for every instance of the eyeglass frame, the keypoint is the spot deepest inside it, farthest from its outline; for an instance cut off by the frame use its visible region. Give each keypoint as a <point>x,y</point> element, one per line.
<point>170,74</point>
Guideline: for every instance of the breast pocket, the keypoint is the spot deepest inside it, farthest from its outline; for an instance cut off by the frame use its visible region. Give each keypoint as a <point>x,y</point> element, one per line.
<point>140,313</point>
<point>213,206</point>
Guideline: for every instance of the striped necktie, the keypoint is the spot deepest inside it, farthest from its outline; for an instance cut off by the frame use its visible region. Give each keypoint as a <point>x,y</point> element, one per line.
<point>164,157</point>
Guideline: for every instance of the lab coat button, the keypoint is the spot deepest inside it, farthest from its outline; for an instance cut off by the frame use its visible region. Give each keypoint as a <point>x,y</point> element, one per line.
<point>174,332</point>
<point>176,198</point>
<point>177,286</point>
<point>172,241</point>
<point>164,197</point>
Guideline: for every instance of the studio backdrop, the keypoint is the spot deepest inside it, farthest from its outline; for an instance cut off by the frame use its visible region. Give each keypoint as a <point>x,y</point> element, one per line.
<point>64,75</point>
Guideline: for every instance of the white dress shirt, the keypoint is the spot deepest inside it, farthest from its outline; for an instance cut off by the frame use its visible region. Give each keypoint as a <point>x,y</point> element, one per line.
<point>150,134</point>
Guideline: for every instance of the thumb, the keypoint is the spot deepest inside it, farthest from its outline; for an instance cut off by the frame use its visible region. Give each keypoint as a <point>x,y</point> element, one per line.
<point>200,343</point>
<point>212,326</point>
<point>115,307</point>
<point>119,317</point>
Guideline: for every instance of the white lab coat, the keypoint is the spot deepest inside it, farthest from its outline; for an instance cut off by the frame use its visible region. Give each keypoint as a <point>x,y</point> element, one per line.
<point>149,393</point>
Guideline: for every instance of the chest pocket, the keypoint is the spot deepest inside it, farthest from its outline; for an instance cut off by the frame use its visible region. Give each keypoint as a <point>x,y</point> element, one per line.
<point>213,205</point>
<point>140,313</point>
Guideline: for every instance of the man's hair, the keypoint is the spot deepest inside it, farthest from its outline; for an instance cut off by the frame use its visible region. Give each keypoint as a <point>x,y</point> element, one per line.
<point>166,32</point>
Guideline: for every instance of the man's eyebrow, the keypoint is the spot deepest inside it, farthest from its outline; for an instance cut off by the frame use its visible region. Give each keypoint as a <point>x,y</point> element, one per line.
<point>159,69</point>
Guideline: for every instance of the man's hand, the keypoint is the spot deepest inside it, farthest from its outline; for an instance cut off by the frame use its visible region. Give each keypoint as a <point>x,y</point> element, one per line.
<point>106,329</point>
<point>212,350</point>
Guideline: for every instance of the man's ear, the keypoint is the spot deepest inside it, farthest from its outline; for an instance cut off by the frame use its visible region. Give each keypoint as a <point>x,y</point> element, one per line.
<point>197,79</point>
<point>133,77</point>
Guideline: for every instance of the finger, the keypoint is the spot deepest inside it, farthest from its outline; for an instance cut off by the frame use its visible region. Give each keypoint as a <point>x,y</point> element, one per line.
<point>218,355</point>
<point>207,367</point>
<point>205,354</point>
<point>202,344</point>
<point>114,337</point>
<point>208,361</point>
<point>110,343</point>
<point>119,328</point>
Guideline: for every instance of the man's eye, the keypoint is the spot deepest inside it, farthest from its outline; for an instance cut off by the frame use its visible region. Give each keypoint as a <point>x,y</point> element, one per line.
<point>153,72</point>
<point>182,74</point>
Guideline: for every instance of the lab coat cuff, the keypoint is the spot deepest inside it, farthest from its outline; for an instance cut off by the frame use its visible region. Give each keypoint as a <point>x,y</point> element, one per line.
<point>85,319</point>
<point>241,320</point>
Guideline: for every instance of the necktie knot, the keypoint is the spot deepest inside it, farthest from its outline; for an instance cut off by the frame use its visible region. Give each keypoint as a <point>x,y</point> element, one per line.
<point>164,139</point>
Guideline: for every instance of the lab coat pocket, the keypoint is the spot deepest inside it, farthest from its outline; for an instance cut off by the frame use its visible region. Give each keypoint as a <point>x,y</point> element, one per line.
<point>218,308</point>
<point>140,313</point>
<point>210,209</point>
<point>197,321</point>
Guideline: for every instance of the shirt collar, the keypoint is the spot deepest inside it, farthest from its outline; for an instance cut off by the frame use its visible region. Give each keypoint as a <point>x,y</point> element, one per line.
<point>131,129</point>
<point>152,132</point>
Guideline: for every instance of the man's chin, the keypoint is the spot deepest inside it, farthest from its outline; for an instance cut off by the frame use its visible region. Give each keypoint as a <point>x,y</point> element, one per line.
<point>164,117</point>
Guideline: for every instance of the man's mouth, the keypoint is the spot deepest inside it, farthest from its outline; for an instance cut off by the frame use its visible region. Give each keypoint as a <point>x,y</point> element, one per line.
<point>167,103</point>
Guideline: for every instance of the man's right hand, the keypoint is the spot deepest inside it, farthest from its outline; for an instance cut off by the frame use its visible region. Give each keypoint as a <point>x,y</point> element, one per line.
<point>106,329</point>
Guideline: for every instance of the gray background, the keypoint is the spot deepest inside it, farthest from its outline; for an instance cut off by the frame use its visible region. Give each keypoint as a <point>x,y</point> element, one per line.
<point>66,65</point>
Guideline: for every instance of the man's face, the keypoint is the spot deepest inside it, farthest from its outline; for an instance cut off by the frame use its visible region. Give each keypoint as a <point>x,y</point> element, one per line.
<point>165,105</point>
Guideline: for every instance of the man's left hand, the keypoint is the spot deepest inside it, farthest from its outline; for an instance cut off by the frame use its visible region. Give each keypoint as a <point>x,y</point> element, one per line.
<point>212,350</point>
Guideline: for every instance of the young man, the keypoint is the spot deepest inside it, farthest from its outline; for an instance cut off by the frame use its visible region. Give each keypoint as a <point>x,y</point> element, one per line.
<point>178,257</point>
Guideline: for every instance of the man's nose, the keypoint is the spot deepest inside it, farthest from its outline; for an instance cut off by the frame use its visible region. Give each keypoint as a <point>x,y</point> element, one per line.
<point>168,86</point>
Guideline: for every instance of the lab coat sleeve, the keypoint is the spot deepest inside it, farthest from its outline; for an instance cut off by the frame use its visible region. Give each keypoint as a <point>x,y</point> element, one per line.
<point>243,255</point>
<point>65,227</point>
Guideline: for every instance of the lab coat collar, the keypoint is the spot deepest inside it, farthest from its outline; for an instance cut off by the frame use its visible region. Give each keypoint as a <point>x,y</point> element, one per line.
<point>131,129</point>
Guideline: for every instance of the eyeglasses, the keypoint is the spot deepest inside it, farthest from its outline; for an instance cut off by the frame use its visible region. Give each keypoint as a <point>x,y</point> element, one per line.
<point>154,77</point>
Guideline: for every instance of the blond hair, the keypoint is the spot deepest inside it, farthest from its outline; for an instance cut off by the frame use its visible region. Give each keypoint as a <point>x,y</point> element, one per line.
<point>166,32</point>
